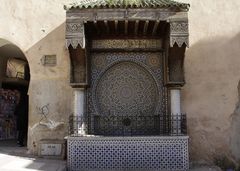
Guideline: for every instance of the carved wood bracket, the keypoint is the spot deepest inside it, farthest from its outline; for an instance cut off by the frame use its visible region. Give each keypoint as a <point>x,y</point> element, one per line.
<point>179,33</point>
<point>75,33</point>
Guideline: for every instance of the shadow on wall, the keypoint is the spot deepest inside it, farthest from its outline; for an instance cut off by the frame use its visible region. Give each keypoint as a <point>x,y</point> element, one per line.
<point>235,129</point>
<point>212,72</point>
<point>49,85</point>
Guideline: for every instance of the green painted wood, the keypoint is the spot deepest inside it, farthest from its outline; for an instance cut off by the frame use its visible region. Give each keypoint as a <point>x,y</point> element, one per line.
<point>80,4</point>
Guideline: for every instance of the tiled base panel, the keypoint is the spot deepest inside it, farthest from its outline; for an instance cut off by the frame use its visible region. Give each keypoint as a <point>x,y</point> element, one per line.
<point>128,153</point>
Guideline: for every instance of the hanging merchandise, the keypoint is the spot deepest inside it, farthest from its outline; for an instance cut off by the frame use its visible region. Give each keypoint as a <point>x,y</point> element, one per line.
<point>8,102</point>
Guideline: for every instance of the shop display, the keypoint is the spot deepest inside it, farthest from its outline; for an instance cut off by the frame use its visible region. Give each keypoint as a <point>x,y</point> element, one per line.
<point>8,102</point>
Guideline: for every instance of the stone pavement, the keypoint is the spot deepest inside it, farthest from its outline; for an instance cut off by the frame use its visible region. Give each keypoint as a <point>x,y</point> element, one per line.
<point>205,168</point>
<point>16,163</point>
<point>14,158</point>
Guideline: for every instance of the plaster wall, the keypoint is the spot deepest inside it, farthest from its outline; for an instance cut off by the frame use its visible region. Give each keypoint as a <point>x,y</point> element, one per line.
<point>38,28</point>
<point>211,69</point>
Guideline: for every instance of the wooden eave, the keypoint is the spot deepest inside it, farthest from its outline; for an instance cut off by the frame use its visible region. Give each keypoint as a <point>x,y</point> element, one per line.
<point>78,19</point>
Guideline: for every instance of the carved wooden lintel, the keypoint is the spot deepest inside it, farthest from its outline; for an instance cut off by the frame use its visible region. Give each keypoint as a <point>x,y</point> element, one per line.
<point>120,14</point>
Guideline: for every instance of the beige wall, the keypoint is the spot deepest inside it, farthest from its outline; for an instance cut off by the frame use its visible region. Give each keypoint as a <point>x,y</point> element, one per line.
<point>38,28</point>
<point>211,66</point>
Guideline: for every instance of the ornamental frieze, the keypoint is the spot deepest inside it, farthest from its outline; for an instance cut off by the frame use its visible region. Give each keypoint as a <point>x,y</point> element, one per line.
<point>75,42</point>
<point>179,33</point>
<point>179,27</point>
<point>179,40</point>
<point>127,44</point>
<point>75,27</point>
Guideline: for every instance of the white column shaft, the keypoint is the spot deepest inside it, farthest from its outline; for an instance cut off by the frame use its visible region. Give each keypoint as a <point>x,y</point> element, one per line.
<point>176,111</point>
<point>79,106</point>
<point>175,102</point>
<point>79,99</point>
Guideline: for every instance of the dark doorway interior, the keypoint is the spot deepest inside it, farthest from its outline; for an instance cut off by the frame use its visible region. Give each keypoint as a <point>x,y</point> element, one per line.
<point>20,114</point>
<point>14,82</point>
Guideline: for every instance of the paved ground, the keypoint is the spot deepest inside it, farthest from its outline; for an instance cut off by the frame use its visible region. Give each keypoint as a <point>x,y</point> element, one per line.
<point>13,158</point>
<point>205,168</point>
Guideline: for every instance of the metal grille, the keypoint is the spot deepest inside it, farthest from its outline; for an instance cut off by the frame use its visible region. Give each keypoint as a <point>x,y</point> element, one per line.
<point>130,125</point>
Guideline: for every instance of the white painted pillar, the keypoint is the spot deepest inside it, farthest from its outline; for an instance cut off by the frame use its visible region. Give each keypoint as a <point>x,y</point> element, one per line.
<point>175,102</point>
<point>79,110</point>
<point>176,110</point>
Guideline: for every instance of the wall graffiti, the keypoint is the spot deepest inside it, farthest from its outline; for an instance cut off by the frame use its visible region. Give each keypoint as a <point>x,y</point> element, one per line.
<point>44,112</point>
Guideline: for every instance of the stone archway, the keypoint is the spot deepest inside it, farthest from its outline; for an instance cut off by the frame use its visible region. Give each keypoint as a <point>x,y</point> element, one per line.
<point>14,83</point>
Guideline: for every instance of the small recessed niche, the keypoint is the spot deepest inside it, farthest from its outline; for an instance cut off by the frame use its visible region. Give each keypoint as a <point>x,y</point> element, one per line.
<point>49,60</point>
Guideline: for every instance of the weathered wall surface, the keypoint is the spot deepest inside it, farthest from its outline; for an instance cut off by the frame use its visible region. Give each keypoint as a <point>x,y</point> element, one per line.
<point>38,28</point>
<point>211,67</point>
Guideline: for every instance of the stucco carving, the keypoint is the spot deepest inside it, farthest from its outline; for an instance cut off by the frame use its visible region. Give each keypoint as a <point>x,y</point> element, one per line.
<point>127,44</point>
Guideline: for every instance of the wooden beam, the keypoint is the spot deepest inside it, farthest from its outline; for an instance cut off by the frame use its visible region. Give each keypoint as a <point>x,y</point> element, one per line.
<point>155,27</point>
<point>136,27</point>
<point>145,27</point>
<point>120,14</point>
<point>96,26</point>
<point>116,26</point>
<point>163,29</point>
<point>106,25</point>
<point>126,27</point>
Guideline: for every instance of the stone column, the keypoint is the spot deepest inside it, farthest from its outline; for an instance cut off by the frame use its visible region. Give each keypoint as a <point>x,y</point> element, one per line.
<point>79,110</point>
<point>175,111</point>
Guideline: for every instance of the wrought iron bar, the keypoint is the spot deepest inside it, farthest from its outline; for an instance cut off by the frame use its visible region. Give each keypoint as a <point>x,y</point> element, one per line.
<point>131,125</point>
<point>76,125</point>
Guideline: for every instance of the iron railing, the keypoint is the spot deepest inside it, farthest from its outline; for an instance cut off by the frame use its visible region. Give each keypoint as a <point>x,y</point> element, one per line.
<point>132,125</point>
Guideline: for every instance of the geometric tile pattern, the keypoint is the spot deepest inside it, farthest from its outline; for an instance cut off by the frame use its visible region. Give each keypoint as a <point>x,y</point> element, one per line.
<point>126,84</point>
<point>128,89</point>
<point>128,153</point>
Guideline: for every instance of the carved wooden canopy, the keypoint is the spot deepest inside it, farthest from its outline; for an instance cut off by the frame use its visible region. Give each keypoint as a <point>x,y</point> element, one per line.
<point>164,20</point>
<point>82,12</point>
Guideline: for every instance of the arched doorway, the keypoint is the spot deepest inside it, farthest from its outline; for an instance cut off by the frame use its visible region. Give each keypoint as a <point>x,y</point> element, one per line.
<point>14,83</point>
